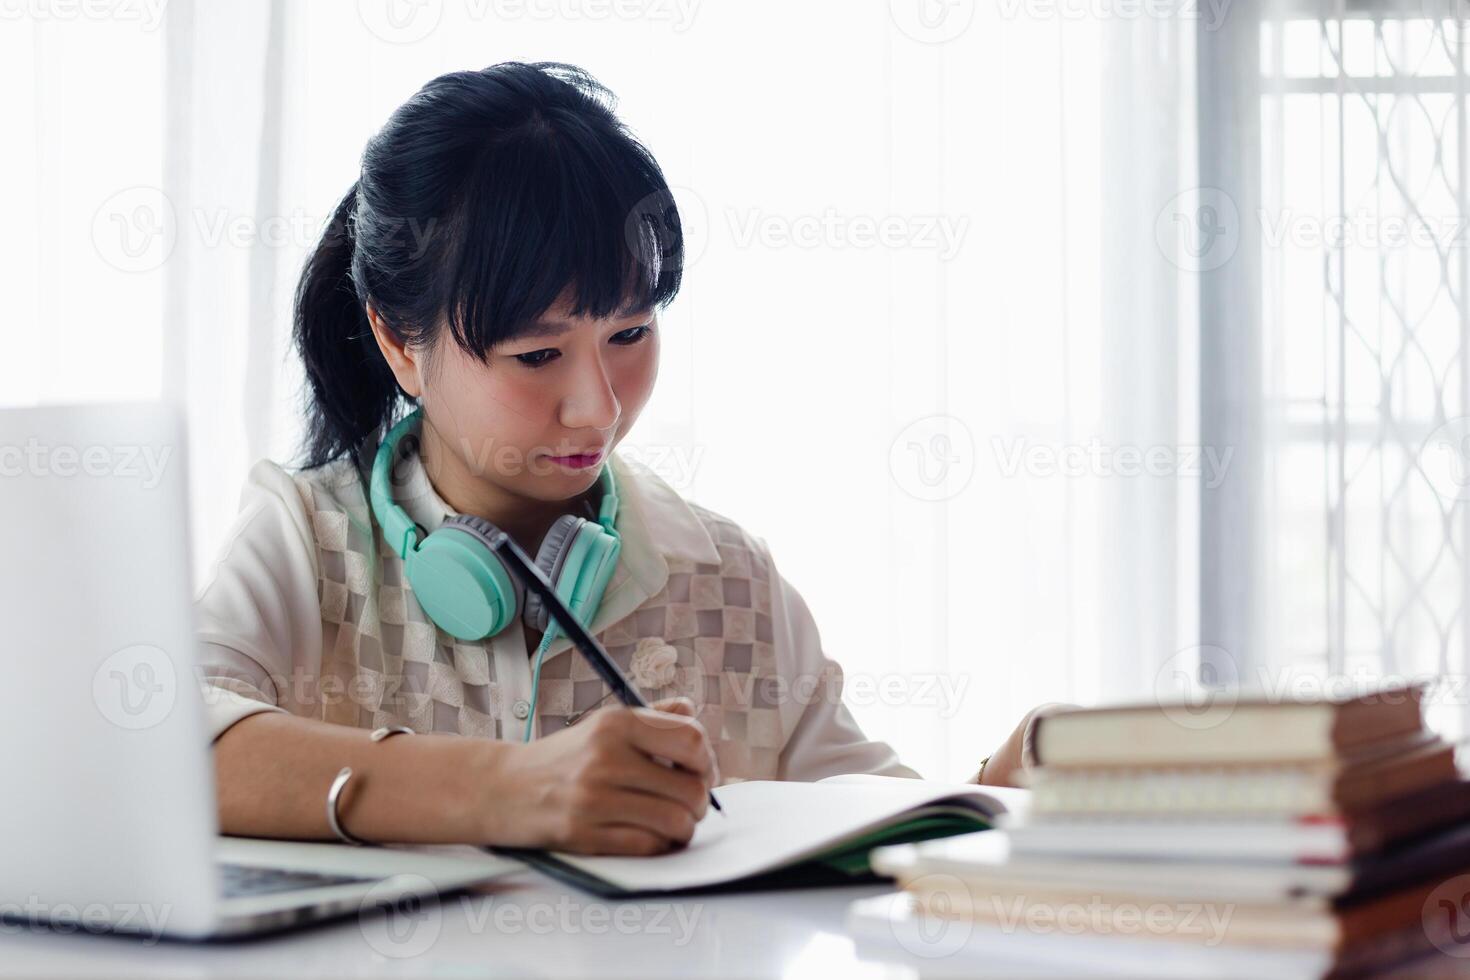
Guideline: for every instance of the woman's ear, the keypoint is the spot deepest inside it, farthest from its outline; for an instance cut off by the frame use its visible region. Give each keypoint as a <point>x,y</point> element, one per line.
<point>404,362</point>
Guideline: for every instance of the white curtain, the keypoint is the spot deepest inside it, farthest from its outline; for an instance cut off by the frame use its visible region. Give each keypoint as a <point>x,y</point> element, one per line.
<point>936,343</point>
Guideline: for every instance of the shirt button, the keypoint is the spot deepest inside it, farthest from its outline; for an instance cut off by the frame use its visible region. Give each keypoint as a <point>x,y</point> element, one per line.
<point>520,709</point>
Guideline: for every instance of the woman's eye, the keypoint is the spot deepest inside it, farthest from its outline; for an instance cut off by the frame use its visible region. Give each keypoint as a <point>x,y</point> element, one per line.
<point>632,335</point>
<point>536,358</point>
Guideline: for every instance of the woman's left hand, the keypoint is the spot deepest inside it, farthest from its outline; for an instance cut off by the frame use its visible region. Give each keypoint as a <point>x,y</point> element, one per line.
<point>1009,762</point>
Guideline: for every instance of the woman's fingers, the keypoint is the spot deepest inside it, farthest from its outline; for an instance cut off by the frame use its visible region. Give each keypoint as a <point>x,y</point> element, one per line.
<point>675,706</point>
<point>656,752</point>
<point>624,839</point>
<point>670,820</point>
<point>639,773</point>
<point>678,738</point>
<point>685,707</point>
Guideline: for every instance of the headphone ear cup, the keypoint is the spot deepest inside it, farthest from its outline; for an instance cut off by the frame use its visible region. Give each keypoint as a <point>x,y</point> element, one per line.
<point>579,558</point>
<point>460,582</point>
<point>551,558</point>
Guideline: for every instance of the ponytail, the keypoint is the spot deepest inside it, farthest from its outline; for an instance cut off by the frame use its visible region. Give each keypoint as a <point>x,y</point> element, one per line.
<point>353,390</point>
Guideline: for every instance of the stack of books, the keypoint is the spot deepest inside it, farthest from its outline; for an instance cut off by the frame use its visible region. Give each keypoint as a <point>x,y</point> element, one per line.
<point>1311,836</point>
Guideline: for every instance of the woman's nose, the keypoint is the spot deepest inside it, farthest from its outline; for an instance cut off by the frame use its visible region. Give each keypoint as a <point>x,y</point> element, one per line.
<point>592,403</point>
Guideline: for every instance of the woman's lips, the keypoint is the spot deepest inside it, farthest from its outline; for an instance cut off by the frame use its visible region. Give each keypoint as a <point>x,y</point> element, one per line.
<point>578,461</point>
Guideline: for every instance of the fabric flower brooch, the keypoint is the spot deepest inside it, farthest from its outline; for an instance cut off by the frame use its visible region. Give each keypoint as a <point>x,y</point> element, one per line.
<point>653,664</point>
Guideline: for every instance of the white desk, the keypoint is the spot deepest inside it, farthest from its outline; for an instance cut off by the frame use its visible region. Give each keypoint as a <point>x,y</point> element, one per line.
<point>522,925</point>
<point>526,925</point>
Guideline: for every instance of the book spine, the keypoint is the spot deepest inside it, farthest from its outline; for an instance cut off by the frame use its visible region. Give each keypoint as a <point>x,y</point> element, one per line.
<point>1204,792</point>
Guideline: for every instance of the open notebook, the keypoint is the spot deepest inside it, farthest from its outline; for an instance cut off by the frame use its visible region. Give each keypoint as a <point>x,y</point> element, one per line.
<point>784,834</point>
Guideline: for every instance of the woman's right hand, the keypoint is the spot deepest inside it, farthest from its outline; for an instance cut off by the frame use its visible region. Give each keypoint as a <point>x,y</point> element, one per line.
<point>598,787</point>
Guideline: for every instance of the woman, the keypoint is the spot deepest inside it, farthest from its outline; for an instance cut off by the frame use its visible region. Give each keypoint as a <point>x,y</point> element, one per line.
<point>499,266</point>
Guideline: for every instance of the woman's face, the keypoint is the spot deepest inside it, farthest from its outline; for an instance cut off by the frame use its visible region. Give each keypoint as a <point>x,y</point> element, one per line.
<point>537,419</point>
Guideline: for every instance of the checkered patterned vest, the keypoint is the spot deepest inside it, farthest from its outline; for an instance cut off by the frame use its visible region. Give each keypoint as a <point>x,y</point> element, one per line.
<point>396,667</point>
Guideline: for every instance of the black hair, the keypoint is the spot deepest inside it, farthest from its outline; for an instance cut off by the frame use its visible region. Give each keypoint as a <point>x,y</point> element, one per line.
<point>483,198</point>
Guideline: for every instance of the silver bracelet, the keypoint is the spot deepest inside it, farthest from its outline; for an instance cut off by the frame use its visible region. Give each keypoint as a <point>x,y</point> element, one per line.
<point>340,782</point>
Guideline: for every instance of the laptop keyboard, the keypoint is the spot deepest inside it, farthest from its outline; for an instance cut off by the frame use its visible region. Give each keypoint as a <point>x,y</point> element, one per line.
<point>242,879</point>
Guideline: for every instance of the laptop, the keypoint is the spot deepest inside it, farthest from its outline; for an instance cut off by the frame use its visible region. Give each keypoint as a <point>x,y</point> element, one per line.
<point>107,803</point>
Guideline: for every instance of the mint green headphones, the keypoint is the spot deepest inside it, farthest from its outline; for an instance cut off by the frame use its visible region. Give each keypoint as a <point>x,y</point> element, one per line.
<point>465,588</point>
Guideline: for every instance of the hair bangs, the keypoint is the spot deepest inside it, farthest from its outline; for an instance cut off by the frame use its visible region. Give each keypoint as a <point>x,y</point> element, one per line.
<point>562,212</point>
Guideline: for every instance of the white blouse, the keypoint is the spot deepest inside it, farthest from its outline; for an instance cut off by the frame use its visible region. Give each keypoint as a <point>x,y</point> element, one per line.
<point>306,610</point>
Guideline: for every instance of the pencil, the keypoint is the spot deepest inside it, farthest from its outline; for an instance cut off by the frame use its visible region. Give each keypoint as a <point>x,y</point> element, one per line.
<point>533,578</point>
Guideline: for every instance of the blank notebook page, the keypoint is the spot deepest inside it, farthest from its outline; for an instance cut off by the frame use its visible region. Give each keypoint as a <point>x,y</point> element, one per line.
<point>768,824</point>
